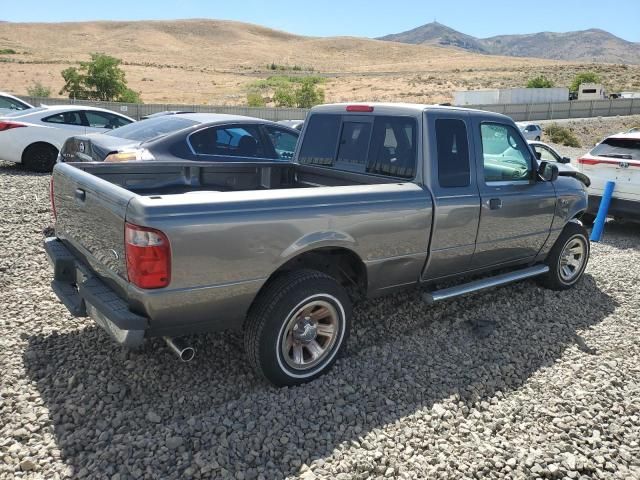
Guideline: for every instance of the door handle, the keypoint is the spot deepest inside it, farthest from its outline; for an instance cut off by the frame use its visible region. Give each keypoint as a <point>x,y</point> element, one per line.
<point>495,204</point>
<point>80,195</point>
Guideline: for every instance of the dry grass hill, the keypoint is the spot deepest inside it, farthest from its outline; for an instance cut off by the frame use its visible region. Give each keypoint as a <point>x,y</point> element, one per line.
<point>216,62</point>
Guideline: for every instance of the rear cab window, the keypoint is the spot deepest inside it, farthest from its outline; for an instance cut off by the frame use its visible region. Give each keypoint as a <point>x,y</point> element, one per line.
<point>379,145</point>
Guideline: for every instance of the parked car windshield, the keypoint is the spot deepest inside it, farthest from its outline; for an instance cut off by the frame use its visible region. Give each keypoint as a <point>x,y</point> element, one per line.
<point>151,128</point>
<point>627,148</point>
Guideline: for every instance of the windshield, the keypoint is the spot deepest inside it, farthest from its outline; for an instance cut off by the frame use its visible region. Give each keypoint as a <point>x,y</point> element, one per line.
<point>152,128</point>
<point>627,148</point>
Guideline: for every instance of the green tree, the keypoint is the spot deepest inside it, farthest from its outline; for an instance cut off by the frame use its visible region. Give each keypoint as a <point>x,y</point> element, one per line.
<point>585,77</point>
<point>99,79</point>
<point>130,96</point>
<point>308,95</point>
<point>38,90</point>
<point>540,82</point>
<point>74,84</point>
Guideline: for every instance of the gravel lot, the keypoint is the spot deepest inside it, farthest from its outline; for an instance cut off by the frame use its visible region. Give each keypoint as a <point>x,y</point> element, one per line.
<point>551,391</point>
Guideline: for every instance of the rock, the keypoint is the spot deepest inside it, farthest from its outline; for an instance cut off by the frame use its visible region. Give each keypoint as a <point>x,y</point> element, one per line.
<point>153,417</point>
<point>174,442</point>
<point>27,465</point>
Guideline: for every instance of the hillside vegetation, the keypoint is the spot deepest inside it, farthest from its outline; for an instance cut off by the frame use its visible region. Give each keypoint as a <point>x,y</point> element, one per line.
<point>218,62</point>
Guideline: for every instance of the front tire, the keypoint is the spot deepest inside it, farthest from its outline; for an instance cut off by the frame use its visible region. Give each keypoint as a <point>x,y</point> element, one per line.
<point>568,258</point>
<point>297,327</point>
<point>40,157</point>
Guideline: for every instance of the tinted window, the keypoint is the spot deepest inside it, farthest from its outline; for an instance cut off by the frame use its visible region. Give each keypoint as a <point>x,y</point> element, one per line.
<point>235,141</point>
<point>104,120</point>
<point>284,142</point>
<point>625,148</point>
<point>506,156</point>
<point>11,104</point>
<point>453,153</point>
<point>319,147</point>
<point>393,149</point>
<point>354,145</point>
<point>152,128</point>
<point>66,118</point>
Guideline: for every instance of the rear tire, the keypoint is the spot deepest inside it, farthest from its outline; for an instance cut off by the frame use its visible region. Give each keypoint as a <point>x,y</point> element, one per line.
<point>297,326</point>
<point>537,139</point>
<point>40,157</point>
<point>567,259</point>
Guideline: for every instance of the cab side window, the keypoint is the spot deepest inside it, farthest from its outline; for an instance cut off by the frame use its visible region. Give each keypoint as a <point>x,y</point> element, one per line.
<point>506,155</point>
<point>453,153</point>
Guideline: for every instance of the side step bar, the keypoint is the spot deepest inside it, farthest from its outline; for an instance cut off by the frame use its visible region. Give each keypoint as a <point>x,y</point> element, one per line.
<point>484,283</point>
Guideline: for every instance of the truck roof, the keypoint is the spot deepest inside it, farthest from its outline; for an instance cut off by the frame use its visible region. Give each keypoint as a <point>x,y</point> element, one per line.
<point>391,108</point>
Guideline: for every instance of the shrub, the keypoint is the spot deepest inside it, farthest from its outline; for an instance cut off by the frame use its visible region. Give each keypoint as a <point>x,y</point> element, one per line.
<point>284,97</point>
<point>540,82</point>
<point>254,99</point>
<point>308,95</point>
<point>585,77</point>
<point>561,135</point>
<point>130,96</point>
<point>38,90</point>
<point>7,51</point>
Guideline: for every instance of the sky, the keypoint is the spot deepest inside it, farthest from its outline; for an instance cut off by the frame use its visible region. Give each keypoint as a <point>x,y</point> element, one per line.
<point>362,18</point>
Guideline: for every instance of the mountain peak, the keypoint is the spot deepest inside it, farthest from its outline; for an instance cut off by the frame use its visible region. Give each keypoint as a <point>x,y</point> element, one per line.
<point>593,45</point>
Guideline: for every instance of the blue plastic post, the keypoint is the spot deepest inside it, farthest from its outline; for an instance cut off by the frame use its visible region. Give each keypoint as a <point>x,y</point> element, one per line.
<point>598,225</point>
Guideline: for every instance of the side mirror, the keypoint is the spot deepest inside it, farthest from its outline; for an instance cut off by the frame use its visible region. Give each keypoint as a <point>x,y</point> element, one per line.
<point>565,160</point>
<point>548,172</point>
<point>539,155</point>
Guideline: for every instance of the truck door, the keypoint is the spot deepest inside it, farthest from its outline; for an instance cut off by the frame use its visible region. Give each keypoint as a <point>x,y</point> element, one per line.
<point>516,208</point>
<point>450,171</point>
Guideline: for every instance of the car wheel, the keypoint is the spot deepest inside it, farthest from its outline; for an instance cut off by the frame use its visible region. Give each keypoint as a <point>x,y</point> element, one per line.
<point>537,139</point>
<point>568,258</point>
<point>297,326</point>
<point>40,157</point>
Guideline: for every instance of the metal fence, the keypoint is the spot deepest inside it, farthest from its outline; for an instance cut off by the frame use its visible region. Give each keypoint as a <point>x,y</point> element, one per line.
<point>519,112</point>
<point>137,111</point>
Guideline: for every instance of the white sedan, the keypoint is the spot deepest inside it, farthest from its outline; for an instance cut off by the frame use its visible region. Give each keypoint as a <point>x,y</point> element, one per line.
<point>33,137</point>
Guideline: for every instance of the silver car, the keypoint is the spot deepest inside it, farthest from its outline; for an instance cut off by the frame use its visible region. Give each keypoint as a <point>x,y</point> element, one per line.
<point>530,131</point>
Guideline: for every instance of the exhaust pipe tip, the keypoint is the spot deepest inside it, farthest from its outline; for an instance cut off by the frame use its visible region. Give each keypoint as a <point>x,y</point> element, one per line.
<point>186,353</point>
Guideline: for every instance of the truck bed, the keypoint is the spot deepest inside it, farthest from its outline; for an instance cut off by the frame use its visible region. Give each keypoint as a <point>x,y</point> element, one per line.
<point>156,178</point>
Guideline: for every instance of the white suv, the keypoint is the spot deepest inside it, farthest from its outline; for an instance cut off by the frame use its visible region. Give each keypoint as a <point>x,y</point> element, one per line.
<point>530,131</point>
<point>616,158</point>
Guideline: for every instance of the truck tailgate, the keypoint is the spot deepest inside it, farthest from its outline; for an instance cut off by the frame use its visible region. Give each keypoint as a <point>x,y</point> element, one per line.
<point>90,218</point>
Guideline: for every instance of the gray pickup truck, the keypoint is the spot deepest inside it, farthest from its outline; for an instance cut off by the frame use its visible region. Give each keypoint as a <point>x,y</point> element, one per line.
<point>379,197</point>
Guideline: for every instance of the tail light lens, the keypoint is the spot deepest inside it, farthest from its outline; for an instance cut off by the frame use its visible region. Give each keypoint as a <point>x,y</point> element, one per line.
<point>588,161</point>
<point>52,198</point>
<point>148,256</point>
<point>140,154</point>
<point>10,125</point>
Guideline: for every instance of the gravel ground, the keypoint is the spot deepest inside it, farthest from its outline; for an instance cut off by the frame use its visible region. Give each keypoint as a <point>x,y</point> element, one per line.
<point>551,391</point>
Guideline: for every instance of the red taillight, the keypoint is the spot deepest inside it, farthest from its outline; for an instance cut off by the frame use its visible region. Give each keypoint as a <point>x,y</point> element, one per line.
<point>52,198</point>
<point>588,161</point>
<point>359,108</point>
<point>148,256</point>
<point>9,125</point>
